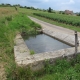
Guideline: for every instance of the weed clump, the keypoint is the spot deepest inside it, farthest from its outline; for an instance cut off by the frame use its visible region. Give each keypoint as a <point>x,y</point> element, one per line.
<point>32,52</point>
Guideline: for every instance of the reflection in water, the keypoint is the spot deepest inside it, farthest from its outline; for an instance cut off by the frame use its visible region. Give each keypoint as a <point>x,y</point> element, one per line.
<point>43,43</point>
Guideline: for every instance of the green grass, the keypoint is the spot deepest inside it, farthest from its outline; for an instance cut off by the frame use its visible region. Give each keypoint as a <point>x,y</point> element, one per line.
<point>32,52</point>
<point>10,25</point>
<point>62,70</point>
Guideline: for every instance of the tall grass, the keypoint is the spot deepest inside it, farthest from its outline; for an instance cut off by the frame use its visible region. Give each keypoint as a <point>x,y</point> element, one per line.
<point>20,23</point>
<point>10,25</point>
<point>62,70</point>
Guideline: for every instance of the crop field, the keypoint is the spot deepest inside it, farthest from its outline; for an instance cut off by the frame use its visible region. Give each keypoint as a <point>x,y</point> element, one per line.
<point>67,19</point>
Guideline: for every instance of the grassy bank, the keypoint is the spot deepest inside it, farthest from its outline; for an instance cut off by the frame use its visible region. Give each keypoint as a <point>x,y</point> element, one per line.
<point>13,22</point>
<point>62,70</point>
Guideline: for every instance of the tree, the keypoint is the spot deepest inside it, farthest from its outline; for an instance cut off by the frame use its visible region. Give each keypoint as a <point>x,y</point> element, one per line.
<point>78,14</point>
<point>50,10</point>
<point>15,8</point>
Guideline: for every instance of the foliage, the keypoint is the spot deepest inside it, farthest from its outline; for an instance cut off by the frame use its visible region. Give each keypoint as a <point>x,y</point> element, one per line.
<point>62,70</point>
<point>9,27</point>
<point>15,8</point>
<point>50,10</point>
<point>78,14</point>
<point>9,18</point>
<point>32,52</point>
<point>66,19</point>
<point>18,73</point>
<point>5,5</point>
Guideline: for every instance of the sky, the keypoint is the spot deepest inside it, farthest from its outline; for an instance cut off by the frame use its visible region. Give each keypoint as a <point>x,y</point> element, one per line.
<point>59,5</point>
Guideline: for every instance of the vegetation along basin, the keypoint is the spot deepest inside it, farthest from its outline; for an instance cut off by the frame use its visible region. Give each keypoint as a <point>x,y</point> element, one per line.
<point>43,43</point>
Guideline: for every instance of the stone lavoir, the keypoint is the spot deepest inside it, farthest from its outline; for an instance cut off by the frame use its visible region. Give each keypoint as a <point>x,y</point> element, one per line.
<point>36,61</point>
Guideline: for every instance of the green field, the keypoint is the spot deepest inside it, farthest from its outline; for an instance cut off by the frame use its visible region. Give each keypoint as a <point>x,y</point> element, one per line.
<point>13,22</point>
<point>67,21</point>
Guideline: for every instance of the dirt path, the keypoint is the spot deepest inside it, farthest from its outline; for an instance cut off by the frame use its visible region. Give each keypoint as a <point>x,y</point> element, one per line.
<point>2,72</point>
<point>51,27</point>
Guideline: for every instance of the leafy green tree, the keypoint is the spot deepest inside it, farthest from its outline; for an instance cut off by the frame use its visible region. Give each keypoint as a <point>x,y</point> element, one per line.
<point>50,10</point>
<point>78,14</point>
<point>15,8</point>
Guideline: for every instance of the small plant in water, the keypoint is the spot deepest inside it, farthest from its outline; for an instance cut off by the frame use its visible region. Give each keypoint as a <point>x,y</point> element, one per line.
<point>32,52</point>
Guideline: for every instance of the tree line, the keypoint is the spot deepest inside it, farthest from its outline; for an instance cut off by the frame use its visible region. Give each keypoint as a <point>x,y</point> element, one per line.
<point>27,7</point>
<point>50,10</point>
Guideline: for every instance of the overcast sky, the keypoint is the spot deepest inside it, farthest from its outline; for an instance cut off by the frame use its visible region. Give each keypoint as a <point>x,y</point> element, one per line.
<point>45,4</point>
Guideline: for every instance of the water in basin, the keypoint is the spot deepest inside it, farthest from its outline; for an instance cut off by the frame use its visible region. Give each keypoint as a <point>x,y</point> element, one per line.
<point>44,43</point>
